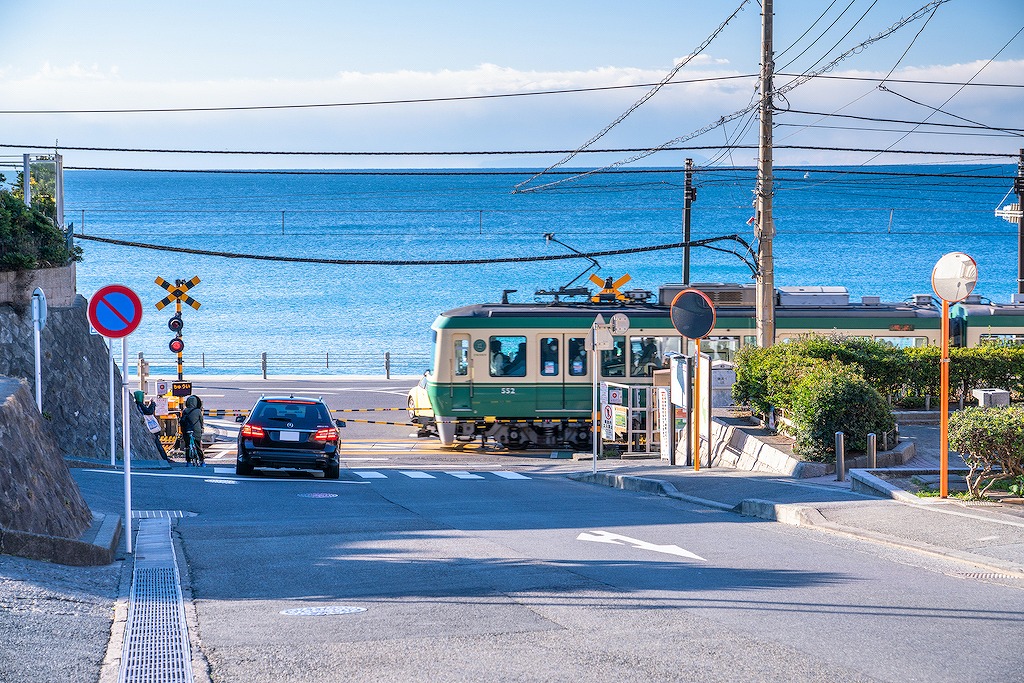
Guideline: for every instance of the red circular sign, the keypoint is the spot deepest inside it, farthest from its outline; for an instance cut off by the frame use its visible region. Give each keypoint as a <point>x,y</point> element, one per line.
<point>115,311</point>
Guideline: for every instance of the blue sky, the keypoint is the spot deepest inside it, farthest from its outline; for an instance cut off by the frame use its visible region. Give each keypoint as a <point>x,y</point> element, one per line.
<point>63,55</point>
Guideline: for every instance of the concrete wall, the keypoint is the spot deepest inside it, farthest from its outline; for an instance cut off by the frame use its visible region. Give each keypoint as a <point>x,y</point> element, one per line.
<point>58,284</point>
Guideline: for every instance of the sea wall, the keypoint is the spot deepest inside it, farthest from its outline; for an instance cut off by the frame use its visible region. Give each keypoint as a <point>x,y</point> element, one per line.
<point>75,372</point>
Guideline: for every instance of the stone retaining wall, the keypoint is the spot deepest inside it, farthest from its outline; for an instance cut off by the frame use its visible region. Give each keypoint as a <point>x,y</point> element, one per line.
<point>37,493</point>
<point>75,380</point>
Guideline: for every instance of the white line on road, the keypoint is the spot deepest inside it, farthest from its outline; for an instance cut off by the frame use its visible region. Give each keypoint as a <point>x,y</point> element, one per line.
<point>511,475</point>
<point>367,474</point>
<point>617,539</point>
<point>417,475</point>
<point>464,475</point>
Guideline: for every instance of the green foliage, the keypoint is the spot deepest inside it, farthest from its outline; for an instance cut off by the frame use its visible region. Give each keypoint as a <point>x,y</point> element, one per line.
<point>832,398</point>
<point>29,240</point>
<point>991,443</point>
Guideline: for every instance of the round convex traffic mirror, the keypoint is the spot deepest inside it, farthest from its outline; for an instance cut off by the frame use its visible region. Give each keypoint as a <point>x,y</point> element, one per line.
<point>693,314</point>
<point>954,276</point>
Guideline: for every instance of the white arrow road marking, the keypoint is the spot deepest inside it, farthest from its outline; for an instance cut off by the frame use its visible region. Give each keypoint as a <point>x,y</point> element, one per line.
<point>609,537</point>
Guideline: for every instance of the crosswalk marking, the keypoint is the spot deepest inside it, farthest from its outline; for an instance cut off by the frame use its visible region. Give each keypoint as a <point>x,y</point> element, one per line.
<point>367,474</point>
<point>464,475</point>
<point>511,475</point>
<point>417,475</point>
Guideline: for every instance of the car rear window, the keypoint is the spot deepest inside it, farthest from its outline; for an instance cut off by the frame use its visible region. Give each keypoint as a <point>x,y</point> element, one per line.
<point>301,415</point>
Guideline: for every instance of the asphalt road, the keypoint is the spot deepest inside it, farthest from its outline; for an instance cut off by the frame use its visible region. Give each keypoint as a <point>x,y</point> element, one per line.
<point>470,572</point>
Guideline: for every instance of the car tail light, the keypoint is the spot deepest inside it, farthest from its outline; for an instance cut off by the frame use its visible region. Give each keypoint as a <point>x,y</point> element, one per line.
<point>326,434</point>
<point>253,431</point>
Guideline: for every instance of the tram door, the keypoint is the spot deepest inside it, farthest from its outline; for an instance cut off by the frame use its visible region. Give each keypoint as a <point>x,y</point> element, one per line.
<point>461,373</point>
<point>562,373</point>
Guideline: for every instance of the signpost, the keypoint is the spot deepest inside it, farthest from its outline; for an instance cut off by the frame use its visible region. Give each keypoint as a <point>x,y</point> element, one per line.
<point>953,279</point>
<point>115,311</point>
<point>693,316</point>
<point>38,323</point>
<point>601,339</point>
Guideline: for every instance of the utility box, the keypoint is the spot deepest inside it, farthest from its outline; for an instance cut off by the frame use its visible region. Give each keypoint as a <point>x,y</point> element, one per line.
<point>991,398</point>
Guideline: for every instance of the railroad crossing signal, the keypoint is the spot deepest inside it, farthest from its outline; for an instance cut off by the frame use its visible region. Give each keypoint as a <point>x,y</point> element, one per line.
<point>177,293</point>
<point>175,324</point>
<point>609,289</point>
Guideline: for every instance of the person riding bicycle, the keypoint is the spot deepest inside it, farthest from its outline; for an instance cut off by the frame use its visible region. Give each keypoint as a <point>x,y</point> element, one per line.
<point>191,424</point>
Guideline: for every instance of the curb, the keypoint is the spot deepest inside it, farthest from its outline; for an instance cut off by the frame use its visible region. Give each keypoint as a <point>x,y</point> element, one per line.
<point>796,515</point>
<point>95,547</point>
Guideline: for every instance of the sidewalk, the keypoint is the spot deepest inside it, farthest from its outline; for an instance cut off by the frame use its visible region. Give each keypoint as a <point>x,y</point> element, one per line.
<point>986,535</point>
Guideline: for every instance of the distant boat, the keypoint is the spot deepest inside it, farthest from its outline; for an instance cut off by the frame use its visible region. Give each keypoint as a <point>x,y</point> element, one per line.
<point>807,174</point>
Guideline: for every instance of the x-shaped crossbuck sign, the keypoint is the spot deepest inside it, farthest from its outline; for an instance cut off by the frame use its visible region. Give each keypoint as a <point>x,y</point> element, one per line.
<point>177,291</point>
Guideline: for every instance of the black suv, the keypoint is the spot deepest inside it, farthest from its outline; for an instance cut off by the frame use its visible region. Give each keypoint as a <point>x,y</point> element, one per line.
<point>289,432</point>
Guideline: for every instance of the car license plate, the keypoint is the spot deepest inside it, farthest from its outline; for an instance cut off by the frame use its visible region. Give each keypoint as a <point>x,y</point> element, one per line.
<point>289,436</point>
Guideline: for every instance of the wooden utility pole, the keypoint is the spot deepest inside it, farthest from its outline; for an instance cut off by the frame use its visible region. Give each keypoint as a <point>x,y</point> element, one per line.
<point>765,226</point>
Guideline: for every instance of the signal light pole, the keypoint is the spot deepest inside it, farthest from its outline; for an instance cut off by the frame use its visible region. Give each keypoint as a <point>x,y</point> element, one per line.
<point>176,323</point>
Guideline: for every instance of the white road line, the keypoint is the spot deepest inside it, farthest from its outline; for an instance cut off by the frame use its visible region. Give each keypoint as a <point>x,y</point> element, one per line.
<point>511,475</point>
<point>417,475</point>
<point>464,475</point>
<point>223,470</point>
<point>367,474</point>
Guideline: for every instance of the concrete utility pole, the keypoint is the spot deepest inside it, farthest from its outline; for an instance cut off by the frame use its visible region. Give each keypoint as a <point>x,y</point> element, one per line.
<point>1019,187</point>
<point>764,229</point>
<point>689,195</point>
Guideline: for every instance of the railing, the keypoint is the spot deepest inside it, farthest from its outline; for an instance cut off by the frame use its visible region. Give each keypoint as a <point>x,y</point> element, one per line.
<point>283,363</point>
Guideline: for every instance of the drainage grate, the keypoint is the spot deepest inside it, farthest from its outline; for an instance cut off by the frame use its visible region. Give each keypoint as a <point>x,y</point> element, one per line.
<point>318,495</point>
<point>987,575</point>
<point>156,644</point>
<point>155,514</point>
<point>322,611</point>
<point>220,481</point>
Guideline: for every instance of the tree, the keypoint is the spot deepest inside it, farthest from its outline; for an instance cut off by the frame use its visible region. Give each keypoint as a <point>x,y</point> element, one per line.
<point>29,239</point>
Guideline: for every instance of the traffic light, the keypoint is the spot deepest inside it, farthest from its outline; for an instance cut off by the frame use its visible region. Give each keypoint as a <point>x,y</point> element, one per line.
<point>175,323</point>
<point>177,345</point>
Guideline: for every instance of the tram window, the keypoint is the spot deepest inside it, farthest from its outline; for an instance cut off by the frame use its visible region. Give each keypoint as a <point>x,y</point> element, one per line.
<point>644,355</point>
<point>462,357</point>
<point>508,356</point>
<point>577,356</point>
<point>903,342</point>
<point>549,356</point>
<point>1008,338</point>
<point>720,348</point>
<point>613,361</point>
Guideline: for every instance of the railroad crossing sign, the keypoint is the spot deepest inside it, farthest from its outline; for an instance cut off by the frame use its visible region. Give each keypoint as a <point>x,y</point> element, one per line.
<point>115,311</point>
<point>609,289</point>
<point>177,292</point>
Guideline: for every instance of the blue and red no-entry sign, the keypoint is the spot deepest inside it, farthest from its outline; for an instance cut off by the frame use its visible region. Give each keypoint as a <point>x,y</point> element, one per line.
<point>115,311</point>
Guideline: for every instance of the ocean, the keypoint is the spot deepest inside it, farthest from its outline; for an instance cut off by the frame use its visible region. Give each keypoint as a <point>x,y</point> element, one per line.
<point>874,230</point>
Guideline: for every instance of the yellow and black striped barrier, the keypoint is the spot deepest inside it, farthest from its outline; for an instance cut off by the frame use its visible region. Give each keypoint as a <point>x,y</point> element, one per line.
<point>364,410</point>
<point>381,422</point>
<point>224,413</point>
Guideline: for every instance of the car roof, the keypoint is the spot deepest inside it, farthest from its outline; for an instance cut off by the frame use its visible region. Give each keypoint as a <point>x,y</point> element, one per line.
<point>291,399</point>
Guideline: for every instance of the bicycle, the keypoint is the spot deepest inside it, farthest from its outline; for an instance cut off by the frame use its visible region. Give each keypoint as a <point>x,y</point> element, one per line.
<point>193,453</point>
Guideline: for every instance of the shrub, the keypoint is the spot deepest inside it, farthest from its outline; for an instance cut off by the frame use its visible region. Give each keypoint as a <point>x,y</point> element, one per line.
<point>836,398</point>
<point>991,443</point>
<point>28,239</point>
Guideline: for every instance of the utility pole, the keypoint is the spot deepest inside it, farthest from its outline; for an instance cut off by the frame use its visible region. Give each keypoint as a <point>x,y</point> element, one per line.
<point>689,196</point>
<point>765,226</point>
<point>1019,187</point>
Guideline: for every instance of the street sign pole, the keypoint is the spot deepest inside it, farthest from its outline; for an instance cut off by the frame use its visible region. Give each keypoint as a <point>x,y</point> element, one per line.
<point>113,442</point>
<point>126,441</point>
<point>696,405</point>
<point>953,279</point>
<point>115,311</point>
<point>39,367</point>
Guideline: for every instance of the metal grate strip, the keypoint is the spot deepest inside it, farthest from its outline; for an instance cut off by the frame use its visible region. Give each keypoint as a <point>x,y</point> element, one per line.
<point>156,647</point>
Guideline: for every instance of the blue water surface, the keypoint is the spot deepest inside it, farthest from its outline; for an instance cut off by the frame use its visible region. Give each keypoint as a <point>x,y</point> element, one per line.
<point>875,230</point>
